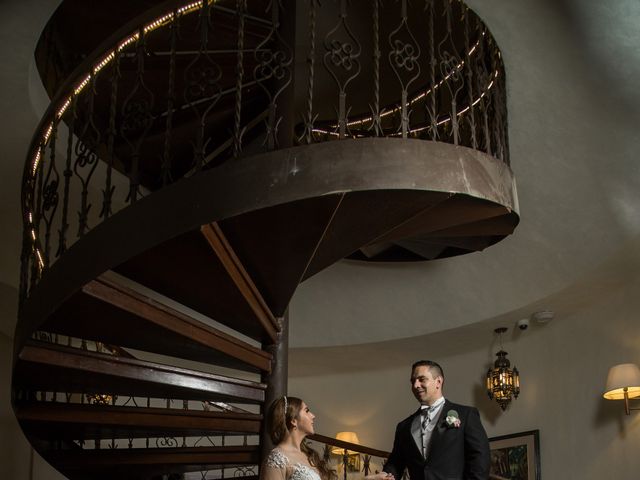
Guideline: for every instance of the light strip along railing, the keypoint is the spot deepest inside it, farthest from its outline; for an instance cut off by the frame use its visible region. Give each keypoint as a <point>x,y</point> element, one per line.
<point>471,70</point>
<point>108,58</point>
<point>423,96</point>
<point>428,70</point>
<point>46,184</point>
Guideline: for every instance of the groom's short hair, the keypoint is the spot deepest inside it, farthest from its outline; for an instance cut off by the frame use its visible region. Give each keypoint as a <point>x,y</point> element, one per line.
<point>437,369</point>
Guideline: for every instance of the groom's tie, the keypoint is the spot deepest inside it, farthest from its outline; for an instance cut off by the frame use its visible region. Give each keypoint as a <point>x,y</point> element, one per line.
<point>425,430</point>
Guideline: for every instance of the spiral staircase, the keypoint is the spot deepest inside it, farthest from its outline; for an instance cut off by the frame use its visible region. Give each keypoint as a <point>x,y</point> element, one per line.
<point>152,330</point>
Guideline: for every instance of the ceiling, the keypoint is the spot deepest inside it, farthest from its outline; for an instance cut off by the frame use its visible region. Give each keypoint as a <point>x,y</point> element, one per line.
<point>573,109</point>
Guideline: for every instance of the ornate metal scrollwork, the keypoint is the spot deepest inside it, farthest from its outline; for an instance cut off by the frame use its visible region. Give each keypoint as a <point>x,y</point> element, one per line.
<point>499,108</point>
<point>431,98</point>
<point>238,131</point>
<point>137,118</point>
<point>342,61</point>
<point>483,76</point>
<point>469,120</point>
<point>450,71</point>
<point>308,117</point>
<point>167,442</point>
<point>84,167</point>
<point>50,197</point>
<point>404,53</point>
<point>273,71</point>
<point>165,167</point>
<point>202,439</point>
<point>107,192</point>
<point>438,52</point>
<point>376,112</point>
<point>244,471</point>
<point>202,89</point>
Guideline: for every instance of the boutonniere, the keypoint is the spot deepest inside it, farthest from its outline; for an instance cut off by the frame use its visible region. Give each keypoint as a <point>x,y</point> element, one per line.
<point>452,419</point>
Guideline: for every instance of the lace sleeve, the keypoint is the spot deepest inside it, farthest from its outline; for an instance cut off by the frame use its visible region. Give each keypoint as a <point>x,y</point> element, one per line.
<point>275,466</point>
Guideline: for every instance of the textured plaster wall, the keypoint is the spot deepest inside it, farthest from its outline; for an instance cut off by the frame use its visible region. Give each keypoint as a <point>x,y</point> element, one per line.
<point>563,365</point>
<point>17,461</point>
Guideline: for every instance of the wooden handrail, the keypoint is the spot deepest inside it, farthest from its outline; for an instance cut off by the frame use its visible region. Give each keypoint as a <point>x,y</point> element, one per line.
<point>334,442</point>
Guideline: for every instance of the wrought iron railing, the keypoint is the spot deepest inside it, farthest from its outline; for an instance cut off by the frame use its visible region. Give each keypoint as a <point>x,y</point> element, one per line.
<point>160,440</point>
<point>200,84</point>
<point>349,460</point>
<point>106,398</point>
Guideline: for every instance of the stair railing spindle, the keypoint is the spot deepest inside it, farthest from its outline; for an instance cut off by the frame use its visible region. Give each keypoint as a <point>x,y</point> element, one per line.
<point>112,131</point>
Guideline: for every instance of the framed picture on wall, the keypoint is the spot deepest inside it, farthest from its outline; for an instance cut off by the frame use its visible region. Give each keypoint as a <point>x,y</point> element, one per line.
<point>515,456</point>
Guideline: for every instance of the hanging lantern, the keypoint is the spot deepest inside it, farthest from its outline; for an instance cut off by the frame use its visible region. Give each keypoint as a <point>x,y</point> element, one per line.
<point>100,398</point>
<point>503,382</point>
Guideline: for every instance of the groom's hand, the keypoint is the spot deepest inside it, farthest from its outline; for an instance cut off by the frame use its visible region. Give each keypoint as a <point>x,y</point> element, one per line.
<point>380,476</point>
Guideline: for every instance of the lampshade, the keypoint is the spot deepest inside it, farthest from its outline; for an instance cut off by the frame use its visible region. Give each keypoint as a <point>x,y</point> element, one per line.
<point>625,375</point>
<point>350,437</point>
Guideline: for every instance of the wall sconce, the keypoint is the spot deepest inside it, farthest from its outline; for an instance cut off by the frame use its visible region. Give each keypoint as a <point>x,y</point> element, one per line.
<point>350,458</point>
<point>623,383</point>
<point>502,381</point>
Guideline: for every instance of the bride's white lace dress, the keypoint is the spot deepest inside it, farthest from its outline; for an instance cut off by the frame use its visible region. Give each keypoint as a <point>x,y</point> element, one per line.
<point>278,466</point>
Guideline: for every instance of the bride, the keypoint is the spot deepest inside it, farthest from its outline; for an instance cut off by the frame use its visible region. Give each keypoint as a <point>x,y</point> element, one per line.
<point>289,421</point>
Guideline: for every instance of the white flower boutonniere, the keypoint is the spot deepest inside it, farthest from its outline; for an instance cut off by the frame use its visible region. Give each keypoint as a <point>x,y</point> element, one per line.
<point>452,419</point>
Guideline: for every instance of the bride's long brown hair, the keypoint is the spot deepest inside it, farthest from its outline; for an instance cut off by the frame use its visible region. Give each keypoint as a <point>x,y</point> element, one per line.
<point>279,423</point>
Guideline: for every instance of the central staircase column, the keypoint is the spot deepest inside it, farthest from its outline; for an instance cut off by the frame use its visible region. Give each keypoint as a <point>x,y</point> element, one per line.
<point>276,380</point>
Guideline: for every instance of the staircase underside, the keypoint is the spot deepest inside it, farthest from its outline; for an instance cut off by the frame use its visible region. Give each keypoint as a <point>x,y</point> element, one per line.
<point>288,214</point>
<point>231,244</point>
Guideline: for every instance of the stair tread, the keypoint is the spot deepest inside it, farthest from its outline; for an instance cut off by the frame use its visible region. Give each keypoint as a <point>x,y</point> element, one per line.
<point>498,225</point>
<point>82,421</point>
<point>208,289</point>
<point>455,211</point>
<point>121,316</point>
<point>144,462</point>
<point>55,368</point>
<point>376,213</point>
<point>470,243</point>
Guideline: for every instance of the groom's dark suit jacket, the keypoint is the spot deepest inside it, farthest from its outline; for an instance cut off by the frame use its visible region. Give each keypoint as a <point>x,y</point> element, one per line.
<point>453,454</point>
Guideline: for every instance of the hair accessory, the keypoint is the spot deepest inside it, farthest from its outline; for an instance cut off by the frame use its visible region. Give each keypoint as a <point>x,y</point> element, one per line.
<point>285,407</point>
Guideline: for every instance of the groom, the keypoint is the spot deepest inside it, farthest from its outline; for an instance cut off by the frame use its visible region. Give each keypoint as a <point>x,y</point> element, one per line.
<point>442,440</point>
